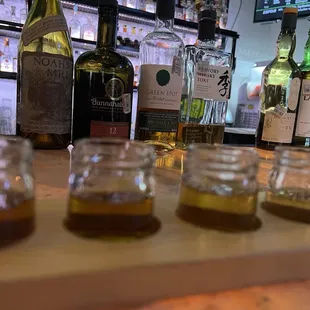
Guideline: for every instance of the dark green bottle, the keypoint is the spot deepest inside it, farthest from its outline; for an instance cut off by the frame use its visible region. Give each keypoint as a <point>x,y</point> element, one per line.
<point>103,84</point>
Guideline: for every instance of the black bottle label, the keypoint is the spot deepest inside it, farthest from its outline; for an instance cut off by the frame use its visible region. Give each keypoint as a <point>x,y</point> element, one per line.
<point>102,106</point>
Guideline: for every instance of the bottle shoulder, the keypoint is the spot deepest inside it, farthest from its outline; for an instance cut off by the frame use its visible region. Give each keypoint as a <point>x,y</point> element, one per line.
<point>98,59</point>
<point>211,56</point>
<point>155,36</point>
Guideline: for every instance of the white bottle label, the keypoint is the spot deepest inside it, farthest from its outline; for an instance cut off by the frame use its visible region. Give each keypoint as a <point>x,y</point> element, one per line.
<point>46,92</point>
<point>89,34</point>
<point>303,118</point>
<point>43,27</point>
<point>278,128</point>
<point>159,88</point>
<point>294,94</point>
<point>212,82</point>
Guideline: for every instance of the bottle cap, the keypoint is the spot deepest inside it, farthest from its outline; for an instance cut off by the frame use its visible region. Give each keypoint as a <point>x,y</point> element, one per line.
<point>289,18</point>
<point>165,9</point>
<point>290,11</point>
<point>111,3</point>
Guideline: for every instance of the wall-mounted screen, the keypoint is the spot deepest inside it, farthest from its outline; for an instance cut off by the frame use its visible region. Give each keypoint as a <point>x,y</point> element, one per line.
<point>268,10</point>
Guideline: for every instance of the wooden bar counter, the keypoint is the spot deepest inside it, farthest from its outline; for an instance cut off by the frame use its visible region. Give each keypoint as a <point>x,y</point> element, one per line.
<point>184,266</point>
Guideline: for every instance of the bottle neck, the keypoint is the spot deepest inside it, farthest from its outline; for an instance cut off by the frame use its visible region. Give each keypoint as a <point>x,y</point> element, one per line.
<point>164,24</point>
<point>107,28</point>
<point>206,33</point>
<point>286,43</point>
<point>50,7</point>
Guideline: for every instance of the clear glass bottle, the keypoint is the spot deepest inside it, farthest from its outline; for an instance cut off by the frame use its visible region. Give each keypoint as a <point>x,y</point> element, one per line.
<point>150,6</point>
<point>288,193</point>
<point>74,24</point>
<point>6,59</point>
<point>89,31</point>
<point>14,18</point>
<point>103,84</point>
<point>219,188</point>
<point>5,12</point>
<point>189,12</point>
<point>111,186</point>
<point>206,87</point>
<point>17,201</point>
<point>45,77</point>
<point>301,135</point>
<point>280,89</point>
<point>159,94</point>
<point>23,15</point>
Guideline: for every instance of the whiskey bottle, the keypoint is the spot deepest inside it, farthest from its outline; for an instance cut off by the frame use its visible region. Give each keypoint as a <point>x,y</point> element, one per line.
<point>302,128</point>
<point>6,59</point>
<point>45,77</point>
<point>103,84</point>
<point>159,94</point>
<point>280,89</point>
<point>206,87</point>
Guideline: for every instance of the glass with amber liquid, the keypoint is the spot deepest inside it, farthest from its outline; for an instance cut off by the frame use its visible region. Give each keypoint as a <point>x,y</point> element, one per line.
<point>219,188</point>
<point>17,204</point>
<point>288,194</point>
<point>111,189</point>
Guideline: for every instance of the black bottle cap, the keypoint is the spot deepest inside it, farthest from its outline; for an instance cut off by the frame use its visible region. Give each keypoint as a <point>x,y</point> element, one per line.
<point>165,9</point>
<point>289,18</point>
<point>110,3</point>
<point>206,25</point>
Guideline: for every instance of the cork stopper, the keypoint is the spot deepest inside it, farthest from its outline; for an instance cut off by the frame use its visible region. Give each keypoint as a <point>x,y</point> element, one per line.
<point>289,18</point>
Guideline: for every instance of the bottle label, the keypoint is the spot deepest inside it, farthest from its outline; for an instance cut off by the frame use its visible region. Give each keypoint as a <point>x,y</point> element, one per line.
<point>89,35</point>
<point>46,93</point>
<point>44,26</point>
<point>6,63</point>
<point>294,94</point>
<point>303,118</point>
<point>160,88</point>
<point>212,82</point>
<point>278,128</point>
<point>109,129</point>
<point>108,112</point>
<point>159,97</point>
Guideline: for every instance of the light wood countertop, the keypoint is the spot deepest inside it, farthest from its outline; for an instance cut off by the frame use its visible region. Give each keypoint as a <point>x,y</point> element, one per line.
<point>51,172</point>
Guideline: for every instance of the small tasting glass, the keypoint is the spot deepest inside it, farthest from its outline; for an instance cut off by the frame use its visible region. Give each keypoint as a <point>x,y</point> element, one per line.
<point>111,189</point>
<point>219,188</point>
<point>17,203</point>
<point>288,193</point>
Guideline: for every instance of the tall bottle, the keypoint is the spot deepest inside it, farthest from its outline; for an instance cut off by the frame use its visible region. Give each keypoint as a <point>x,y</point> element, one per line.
<point>206,87</point>
<point>45,77</point>
<point>280,89</point>
<point>302,128</point>
<point>159,94</point>
<point>103,84</point>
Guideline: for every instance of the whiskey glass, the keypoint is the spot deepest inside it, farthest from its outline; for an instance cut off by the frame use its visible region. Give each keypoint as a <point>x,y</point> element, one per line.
<point>288,193</point>
<point>111,189</point>
<point>17,203</point>
<point>219,188</point>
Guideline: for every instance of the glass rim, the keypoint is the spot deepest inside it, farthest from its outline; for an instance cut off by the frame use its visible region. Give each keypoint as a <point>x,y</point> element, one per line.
<point>15,141</point>
<point>279,149</point>
<point>114,153</point>
<point>112,141</point>
<point>235,149</point>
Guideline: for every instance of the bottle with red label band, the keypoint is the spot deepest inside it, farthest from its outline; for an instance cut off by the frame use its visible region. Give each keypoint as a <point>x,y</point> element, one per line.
<point>103,84</point>
<point>302,128</point>
<point>280,89</point>
<point>45,77</point>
